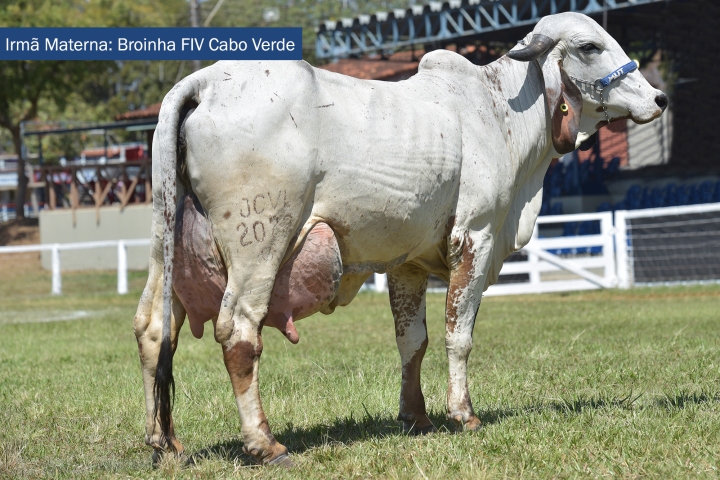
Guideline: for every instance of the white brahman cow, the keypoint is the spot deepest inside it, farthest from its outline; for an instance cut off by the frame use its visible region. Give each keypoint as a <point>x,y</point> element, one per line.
<point>292,185</point>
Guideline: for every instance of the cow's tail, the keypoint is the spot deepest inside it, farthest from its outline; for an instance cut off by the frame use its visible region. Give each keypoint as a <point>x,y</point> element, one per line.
<point>165,160</point>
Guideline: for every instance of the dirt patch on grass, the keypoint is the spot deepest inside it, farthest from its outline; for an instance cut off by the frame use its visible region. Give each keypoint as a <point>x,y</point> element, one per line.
<point>20,232</point>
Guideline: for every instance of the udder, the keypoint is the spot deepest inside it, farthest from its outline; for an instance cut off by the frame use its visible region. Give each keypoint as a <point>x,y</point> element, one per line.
<point>306,284</point>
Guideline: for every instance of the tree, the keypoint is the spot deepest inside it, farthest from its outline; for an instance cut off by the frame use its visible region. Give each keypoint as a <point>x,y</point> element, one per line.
<point>27,85</point>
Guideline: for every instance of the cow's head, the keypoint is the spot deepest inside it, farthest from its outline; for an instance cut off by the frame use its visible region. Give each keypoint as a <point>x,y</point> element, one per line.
<point>574,52</point>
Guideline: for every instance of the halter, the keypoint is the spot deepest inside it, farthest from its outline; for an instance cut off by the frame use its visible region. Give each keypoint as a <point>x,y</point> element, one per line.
<point>601,84</point>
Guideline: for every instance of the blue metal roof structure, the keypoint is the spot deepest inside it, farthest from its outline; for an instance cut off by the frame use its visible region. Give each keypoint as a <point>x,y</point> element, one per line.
<point>445,21</point>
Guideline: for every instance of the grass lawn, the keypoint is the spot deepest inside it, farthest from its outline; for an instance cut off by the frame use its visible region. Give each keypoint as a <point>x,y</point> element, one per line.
<point>606,383</point>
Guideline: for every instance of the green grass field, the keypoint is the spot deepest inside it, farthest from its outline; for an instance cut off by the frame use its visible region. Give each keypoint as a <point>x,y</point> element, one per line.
<point>605,383</point>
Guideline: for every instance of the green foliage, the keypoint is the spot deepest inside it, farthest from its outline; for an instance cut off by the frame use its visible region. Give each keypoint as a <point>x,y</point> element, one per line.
<point>307,14</point>
<point>97,91</point>
<point>580,385</point>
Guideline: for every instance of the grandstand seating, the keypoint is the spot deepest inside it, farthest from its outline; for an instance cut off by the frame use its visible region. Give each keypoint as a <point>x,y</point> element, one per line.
<point>588,178</point>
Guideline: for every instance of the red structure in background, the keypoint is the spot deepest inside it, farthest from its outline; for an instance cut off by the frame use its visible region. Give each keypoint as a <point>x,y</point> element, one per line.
<point>613,142</point>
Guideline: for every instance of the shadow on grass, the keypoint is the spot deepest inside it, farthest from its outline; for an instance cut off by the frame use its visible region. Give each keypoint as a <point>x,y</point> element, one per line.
<point>563,406</point>
<point>343,431</point>
<point>350,430</point>
<point>684,399</point>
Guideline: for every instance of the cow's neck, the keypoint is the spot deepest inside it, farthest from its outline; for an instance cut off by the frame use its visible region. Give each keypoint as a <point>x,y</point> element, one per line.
<point>519,105</point>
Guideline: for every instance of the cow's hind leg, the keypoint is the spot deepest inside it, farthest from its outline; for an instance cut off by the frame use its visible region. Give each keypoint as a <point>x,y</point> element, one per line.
<point>148,324</point>
<point>407,285</point>
<point>242,346</point>
<point>253,248</point>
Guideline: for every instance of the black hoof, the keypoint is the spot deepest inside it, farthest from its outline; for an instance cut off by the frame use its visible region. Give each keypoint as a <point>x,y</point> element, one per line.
<point>282,461</point>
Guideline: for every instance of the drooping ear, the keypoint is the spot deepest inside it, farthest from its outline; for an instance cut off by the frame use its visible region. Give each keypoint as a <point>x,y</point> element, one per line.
<point>564,101</point>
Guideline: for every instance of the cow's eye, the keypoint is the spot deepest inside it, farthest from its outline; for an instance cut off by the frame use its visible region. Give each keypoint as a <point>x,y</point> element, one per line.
<point>589,47</point>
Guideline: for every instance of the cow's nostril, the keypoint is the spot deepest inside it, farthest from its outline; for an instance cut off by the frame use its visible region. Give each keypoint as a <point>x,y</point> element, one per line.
<point>661,101</point>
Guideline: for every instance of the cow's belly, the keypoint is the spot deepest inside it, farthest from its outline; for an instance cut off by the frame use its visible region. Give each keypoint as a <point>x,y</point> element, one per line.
<point>389,213</point>
<point>375,241</point>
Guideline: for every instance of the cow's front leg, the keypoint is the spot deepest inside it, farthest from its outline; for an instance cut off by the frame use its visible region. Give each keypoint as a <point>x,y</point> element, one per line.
<point>469,260</point>
<point>407,285</point>
<point>148,324</point>
<point>241,352</point>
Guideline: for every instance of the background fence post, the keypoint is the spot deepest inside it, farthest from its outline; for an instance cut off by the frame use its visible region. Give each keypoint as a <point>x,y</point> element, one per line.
<point>122,287</point>
<point>607,230</point>
<point>56,279</point>
<point>621,249</point>
<point>380,282</point>
<point>534,261</point>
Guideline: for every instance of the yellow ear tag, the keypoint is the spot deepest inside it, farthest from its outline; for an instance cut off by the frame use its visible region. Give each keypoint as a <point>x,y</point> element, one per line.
<point>564,108</point>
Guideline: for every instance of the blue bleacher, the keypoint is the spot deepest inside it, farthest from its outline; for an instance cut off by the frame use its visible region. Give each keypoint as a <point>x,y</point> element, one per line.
<point>577,178</point>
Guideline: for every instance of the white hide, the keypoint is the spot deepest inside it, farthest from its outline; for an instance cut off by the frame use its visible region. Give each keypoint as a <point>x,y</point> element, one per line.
<point>387,164</point>
<point>440,173</point>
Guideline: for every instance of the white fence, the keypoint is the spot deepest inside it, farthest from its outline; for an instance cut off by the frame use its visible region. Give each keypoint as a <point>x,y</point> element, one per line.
<point>610,250</point>
<point>56,248</point>
<point>540,261</point>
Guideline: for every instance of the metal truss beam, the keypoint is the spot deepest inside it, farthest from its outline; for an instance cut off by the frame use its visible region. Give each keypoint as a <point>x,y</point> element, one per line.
<point>445,21</point>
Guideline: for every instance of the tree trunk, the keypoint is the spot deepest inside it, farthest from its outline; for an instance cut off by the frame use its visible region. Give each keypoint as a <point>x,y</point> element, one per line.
<point>22,179</point>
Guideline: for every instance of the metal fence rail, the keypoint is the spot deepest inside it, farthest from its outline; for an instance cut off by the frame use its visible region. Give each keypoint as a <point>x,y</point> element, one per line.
<point>443,22</point>
<point>609,250</point>
<point>541,260</point>
<point>624,237</point>
<point>56,248</point>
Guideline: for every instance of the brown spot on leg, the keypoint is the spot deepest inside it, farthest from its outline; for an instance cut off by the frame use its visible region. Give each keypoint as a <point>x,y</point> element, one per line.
<point>226,215</point>
<point>407,285</point>
<point>460,277</point>
<point>239,361</point>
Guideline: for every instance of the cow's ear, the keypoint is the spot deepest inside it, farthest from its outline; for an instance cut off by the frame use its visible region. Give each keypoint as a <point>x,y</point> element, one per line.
<point>564,101</point>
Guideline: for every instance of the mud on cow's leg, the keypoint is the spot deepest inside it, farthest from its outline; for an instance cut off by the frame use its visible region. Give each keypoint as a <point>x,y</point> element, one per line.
<point>407,285</point>
<point>148,324</point>
<point>467,280</point>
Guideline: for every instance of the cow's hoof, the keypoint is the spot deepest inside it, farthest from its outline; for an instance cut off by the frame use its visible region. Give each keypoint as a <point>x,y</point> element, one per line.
<point>472,424</point>
<point>160,454</point>
<point>413,428</point>
<point>416,424</point>
<point>282,461</point>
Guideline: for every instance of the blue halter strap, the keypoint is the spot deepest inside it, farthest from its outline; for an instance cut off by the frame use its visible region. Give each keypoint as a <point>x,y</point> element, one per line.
<point>624,70</point>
